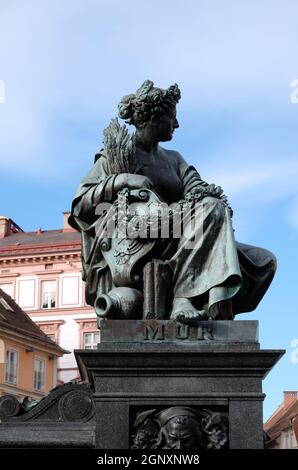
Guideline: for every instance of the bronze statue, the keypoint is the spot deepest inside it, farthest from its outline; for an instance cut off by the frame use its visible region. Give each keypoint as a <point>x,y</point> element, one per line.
<point>216,278</point>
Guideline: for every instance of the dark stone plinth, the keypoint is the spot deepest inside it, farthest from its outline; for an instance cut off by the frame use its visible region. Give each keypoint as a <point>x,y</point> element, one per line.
<point>221,372</point>
<point>143,375</point>
<point>169,331</point>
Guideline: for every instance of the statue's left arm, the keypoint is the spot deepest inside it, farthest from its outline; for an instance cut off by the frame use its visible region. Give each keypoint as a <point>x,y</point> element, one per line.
<point>193,183</point>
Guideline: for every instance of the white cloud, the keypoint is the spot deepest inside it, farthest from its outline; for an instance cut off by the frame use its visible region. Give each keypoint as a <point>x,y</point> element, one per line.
<point>273,181</point>
<point>254,185</point>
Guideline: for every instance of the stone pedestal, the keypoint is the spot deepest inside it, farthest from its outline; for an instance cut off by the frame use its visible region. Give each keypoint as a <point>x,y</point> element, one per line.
<point>62,419</point>
<point>144,367</point>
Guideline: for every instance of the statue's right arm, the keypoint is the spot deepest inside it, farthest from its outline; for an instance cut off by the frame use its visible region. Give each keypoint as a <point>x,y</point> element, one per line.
<point>99,187</point>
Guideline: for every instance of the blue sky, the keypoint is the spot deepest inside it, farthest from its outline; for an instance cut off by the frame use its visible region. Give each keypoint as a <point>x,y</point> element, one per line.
<point>67,64</point>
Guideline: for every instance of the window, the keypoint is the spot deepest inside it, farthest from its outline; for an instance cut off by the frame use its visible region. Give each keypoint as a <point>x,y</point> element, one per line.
<point>39,374</point>
<point>91,340</point>
<point>11,367</point>
<point>8,288</point>
<point>70,290</point>
<point>26,293</point>
<point>51,328</point>
<point>48,294</point>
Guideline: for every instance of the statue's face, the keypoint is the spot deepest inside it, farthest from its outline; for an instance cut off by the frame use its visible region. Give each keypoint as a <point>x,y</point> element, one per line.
<point>179,436</point>
<point>164,126</point>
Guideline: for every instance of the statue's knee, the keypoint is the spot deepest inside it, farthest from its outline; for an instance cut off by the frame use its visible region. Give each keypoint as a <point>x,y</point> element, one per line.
<point>273,261</point>
<point>266,257</point>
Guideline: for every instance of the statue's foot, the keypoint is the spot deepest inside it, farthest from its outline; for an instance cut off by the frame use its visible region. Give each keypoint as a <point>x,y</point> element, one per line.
<point>184,311</point>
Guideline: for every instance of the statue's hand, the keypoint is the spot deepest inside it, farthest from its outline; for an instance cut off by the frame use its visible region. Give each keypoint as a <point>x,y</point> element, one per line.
<point>208,190</point>
<point>217,191</point>
<point>132,181</point>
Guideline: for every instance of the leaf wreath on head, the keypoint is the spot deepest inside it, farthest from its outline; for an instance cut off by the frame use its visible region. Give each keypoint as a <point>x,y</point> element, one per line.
<point>157,96</point>
<point>147,103</point>
<point>143,92</point>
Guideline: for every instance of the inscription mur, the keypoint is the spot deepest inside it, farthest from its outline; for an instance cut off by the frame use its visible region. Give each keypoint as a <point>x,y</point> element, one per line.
<point>159,331</point>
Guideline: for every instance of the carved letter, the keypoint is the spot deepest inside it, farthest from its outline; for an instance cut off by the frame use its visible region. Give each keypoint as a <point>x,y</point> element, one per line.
<point>182,332</point>
<point>205,331</point>
<point>157,333</point>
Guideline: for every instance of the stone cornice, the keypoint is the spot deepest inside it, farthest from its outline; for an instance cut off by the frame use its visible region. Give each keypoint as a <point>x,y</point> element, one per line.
<point>9,274</point>
<point>59,311</point>
<point>33,259</point>
<point>86,320</point>
<point>25,339</point>
<point>41,247</point>
<point>88,324</point>
<point>47,272</point>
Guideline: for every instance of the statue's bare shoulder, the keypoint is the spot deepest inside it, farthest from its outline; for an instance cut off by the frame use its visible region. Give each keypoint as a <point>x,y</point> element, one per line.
<point>172,155</point>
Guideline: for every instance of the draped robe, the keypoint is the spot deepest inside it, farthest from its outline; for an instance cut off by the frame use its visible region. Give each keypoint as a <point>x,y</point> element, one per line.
<point>218,269</point>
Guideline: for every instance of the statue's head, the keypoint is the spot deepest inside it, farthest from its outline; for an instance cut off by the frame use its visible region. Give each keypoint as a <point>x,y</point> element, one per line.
<point>181,432</point>
<point>179,428</point>
<point>152,109</point>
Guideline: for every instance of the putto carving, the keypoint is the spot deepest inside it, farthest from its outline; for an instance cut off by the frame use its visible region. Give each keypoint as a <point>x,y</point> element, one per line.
<point>180,427</point>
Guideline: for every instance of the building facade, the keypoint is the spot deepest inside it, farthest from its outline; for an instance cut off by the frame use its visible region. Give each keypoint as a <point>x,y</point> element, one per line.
<point>28,357</point>
<point>282,427</point>
<point>42,271</point>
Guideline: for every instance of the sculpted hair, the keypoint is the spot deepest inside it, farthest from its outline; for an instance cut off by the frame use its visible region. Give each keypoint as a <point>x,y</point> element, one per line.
<point>148,102</point>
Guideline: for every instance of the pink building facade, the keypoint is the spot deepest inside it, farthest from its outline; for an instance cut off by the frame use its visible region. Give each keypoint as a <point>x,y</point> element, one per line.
<point>41,271</point>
